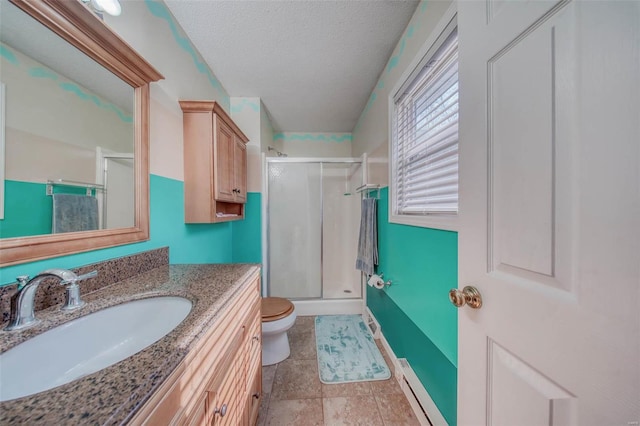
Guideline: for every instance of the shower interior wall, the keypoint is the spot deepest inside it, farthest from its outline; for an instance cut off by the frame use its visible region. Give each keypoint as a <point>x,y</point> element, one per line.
<point>313,229</point>
<point>341,218</point>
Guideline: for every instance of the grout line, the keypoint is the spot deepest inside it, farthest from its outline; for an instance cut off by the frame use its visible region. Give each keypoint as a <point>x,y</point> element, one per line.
<point>375,398</point>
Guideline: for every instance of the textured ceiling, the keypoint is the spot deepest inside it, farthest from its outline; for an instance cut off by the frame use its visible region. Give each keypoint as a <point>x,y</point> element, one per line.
<point>312,62</point>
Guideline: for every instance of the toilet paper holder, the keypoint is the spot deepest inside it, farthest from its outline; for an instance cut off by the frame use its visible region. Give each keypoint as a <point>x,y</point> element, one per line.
<point>385,282</point>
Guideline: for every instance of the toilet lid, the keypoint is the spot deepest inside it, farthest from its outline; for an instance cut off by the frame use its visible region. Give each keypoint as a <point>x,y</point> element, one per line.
<point>275,308</point>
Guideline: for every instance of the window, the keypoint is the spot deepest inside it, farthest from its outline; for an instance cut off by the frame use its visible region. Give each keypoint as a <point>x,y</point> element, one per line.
<point>424,147</point>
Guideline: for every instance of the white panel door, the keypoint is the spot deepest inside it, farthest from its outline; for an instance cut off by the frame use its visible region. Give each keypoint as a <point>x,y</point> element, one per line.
<point>550,212</point>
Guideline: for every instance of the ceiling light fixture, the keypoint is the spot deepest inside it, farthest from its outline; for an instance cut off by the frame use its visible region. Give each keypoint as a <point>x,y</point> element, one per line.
<point>111,7</point>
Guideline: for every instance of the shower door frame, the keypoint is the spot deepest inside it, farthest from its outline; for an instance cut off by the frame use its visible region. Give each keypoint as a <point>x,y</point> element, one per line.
<point>266,289</point>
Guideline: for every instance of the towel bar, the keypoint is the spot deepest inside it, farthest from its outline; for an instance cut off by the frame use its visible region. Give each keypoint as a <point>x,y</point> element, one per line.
<point>61,182</point>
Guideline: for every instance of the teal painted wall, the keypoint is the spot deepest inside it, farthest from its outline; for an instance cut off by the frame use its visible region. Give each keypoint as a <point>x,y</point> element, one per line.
<point>28,208</point>
<point>202,243</point>
<point>192,243</point>
<point>247,233</point>
<point>415,314</point>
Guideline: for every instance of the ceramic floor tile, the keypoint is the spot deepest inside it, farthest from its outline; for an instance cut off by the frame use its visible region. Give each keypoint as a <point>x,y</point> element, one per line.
<point>296,379</point>
<point>264,408</point>
<point>303,325</point>
<point>295,412</point>
<point>356,410</point>
<point>268,374</point>
<point>395,410</point>
<point>346,389</point>
<point>303,345</point>
<point>386,387</point>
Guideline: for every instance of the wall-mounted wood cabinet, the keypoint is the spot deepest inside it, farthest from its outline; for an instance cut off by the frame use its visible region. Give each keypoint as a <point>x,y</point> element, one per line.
<point>215,164</point>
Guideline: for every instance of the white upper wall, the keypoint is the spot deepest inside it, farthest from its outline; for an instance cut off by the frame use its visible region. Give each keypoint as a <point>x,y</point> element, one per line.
<point>151,30</point>
<point>247,114</point>
<point>371,134</point>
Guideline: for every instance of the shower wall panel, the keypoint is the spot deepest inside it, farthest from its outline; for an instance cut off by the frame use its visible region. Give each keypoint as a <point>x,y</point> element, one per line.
<point>294,231</point>
<point>341,214</point>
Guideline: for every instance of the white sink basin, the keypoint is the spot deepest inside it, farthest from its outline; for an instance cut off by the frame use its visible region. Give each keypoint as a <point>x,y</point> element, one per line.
<point>87,344</point>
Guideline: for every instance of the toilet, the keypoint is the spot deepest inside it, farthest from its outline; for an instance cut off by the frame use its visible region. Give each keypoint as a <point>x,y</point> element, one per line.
<point>278,316</point>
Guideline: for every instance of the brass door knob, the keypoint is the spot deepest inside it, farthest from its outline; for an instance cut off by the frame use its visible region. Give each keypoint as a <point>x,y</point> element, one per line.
<point>469,295</point>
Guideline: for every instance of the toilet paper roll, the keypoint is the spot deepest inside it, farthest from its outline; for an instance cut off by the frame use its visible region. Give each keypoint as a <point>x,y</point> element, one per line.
<point>376,281</point>
<point>373,279</point>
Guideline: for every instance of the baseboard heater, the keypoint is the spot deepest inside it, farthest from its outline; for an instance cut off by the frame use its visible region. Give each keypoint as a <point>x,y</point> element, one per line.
<point>418,396</point>
<point>423,406</point>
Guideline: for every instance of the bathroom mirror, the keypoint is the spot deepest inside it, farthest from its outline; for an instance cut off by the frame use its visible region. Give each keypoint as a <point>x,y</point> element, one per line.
<point>77,104</point>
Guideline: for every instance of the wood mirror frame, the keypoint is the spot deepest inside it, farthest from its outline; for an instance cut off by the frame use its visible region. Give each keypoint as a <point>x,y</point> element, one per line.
<point>75,23</point>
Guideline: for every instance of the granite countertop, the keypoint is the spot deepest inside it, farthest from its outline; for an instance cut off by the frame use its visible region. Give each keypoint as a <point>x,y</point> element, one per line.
<point>114,394</point>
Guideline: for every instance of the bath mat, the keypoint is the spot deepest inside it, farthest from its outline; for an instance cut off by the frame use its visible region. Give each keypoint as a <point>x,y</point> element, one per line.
<point>347,351</point>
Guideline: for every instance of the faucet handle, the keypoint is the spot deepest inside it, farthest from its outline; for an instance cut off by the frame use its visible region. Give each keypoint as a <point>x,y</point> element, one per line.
<point>22,280</point>
<point>73,300</point>
<point>76,279</point>
<point>88,275</point>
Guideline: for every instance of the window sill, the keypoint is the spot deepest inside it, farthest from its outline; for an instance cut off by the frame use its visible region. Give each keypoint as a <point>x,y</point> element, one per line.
<point>442,222</point>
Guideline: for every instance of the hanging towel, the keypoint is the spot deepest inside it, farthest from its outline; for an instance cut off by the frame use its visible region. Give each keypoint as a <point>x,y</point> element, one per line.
<point>74,213</point>
<point>368,240</point>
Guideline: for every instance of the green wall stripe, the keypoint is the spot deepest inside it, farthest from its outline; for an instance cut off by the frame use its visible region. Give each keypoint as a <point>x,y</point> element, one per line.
<point>66,85</point>
<point>202,243</point>
<point>313,137</point>
<point>436,373</point>
<point>28,209</point>
<point>159,10</point>
<point>238,105</point>
<point>414,312</point>
<point>423,265</point>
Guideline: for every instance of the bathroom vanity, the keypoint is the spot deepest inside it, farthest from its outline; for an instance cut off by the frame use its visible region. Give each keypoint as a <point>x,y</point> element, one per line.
<point>206,371</point>
<point>219,380</point>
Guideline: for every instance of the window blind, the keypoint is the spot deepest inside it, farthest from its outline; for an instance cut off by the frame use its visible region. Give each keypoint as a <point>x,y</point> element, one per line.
<point>425,137</point>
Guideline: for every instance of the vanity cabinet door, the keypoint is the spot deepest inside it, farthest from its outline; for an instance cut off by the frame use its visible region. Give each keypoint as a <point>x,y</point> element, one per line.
<point>252,362</point>
<point>254,398</point>
<point>223,402</point>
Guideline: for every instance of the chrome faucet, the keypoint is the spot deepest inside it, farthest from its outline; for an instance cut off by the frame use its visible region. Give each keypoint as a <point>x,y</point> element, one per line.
<point>22,303</point>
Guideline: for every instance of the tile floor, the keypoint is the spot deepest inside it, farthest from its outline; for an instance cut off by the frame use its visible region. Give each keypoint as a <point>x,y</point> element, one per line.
<point>294,395</point>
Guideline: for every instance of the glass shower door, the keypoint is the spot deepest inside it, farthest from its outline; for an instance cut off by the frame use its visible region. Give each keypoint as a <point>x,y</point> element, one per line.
<point>295,231</point>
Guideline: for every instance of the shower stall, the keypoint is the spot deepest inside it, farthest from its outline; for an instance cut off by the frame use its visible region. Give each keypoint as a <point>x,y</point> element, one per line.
<point>312,225</point>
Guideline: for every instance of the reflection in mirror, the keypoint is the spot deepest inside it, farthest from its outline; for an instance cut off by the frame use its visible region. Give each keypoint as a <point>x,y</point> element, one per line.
<point>80,27</point>
<point>68,121</point>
